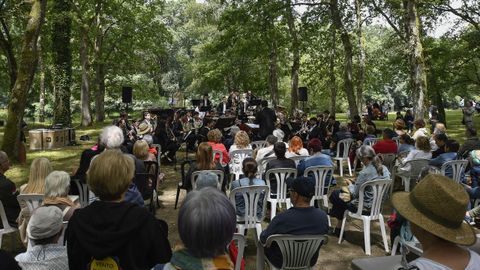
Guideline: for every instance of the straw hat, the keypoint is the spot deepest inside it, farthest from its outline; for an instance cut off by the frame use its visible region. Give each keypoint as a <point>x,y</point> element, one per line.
<point>438,205</point>
<point>143,128</point>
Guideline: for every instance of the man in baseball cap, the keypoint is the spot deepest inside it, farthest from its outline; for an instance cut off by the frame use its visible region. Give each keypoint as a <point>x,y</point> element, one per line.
<point>44,230</point>
<point>301,219</point>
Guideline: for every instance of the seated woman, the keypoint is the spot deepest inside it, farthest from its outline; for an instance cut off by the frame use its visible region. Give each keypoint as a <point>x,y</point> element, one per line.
<point>435,210</point>
<point>44,230</point>
<point>204,239</point>
<point>57,185</point>
<point>420,129</point>
<point>204,161</point>
<point>141,151</point>
<point>372,170</point>
<point>250,167</point>
<point>241,142</point>
<point>39,169</point>
<point>111,230</point>
<point>422,151</point>
<point>295,148</point>
<point>214,140</point>
<point>399,126</point>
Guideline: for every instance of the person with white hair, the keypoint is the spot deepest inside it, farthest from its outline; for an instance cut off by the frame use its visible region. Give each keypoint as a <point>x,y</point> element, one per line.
<point>57,185</point>
<point>112,137</point>
<point>44,230</point>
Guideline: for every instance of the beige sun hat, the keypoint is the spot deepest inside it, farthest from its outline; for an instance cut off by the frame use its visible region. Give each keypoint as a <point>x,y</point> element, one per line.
<point>143,128</point>
<point>438,205</point>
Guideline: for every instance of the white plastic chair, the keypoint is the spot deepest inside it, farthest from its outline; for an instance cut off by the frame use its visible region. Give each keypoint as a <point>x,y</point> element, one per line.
<point>236,160</point>
<point>33,201</point>
<point>280,194</point>
<point>6,226</point>
<point>416,166</point>
<point>414,247</point>
<point>83,191</point>
<point>458,169</point>
<point>322,174</point>
<point>252,195</point>
<point>159,153</point>
<point>397,141</point>
<point>388,160</point>
<point>62,236</point>
<point>220,176</point>
<point>370,141</point>
<point>262,164</point>
<point>379,187</point>
<point>258,144</point>
<point>297,159</point>
<point>297,250</point>
<point>220,159</point>
<point>345,145</point>
<point>240,240</point>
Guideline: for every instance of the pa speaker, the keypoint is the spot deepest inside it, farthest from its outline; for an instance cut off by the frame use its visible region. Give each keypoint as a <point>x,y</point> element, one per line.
<point>302,94</point>
<point>127,94</point>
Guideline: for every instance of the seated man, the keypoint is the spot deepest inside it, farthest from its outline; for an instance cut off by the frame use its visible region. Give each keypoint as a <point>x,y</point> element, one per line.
<point>44,229</point>
<point>301,219</point>
<point>435,209</point>
<point>440,141</point>
<point>387,145</point>
<point>472,143</point>
<point>342,134</point>
<point>8,192</point>
<point>316,158</point>
<point>451,149</point>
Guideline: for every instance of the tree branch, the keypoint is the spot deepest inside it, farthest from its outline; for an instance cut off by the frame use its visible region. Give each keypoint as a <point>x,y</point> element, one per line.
<point>390,22</point>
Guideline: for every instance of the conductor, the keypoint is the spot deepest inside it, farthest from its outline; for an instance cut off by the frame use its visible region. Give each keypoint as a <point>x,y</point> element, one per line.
<point>266,119</point>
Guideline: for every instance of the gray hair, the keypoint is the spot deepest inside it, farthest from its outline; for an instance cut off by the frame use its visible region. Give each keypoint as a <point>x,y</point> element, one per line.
<point>271,140</point>
<point>148,138</point>
<point>206,222</point>
<point>57,184</point>
<point>366,151</point>
<point>111,137</point>
<point>207,179</point>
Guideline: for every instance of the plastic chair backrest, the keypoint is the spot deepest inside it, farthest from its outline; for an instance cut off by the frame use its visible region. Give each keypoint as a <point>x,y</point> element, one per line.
<point>240,239</point>
<point>458,168</point>
<point>251,196</point>
<point>236,159</point>
<point>33,201</point>
<point>379,187</point>
<point>83,192</point>
<point>388,160</point>
<point>3,216</point>
<point>397,141</point>
<point>297,159</point>
<point>370,141</point>
<point>61,239</point>
<point>297,250</point>
<point>321,174</point>
<point>344,145</point>
<point>159,153</point>
<point>262,164</point>
<point>281,174</point>
<point>258,144</point>
<point>220,176</point>
<point>220,154</point>
<point>416,167</point>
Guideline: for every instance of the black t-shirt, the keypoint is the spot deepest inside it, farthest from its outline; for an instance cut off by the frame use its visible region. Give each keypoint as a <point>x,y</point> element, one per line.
<point>296,221</point>
<point>8,196</point>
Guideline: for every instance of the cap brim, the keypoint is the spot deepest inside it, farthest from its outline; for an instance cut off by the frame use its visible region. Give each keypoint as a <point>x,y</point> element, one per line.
<point>463,235</point>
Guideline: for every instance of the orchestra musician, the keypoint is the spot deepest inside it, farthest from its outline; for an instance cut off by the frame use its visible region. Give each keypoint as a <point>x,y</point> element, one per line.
<point>167,139</point>
<point>266,119</point>
<point>223,107</point>
<point>205,101</point>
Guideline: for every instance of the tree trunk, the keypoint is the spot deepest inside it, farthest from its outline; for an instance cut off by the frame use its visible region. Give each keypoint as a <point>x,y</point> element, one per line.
<point>41,65</point>
<point>361,55</point>
<point>331,71</point>
<point>348,61</point>
<point>26,72</point>
<point>62,61</point>
<point>100,94</point>
<point>86,117</point>
<point>7,47</point>
<point>418,76</point>
<point>296,56</point>
<point>272,72</point>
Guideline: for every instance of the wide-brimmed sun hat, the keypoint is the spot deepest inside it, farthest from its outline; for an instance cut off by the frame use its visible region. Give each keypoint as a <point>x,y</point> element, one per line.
<point>143,128</point>
<point>438,205</point>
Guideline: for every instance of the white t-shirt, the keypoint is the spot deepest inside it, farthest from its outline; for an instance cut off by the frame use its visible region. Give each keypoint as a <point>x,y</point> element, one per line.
<point>426,264</point>
<point>302,152</point>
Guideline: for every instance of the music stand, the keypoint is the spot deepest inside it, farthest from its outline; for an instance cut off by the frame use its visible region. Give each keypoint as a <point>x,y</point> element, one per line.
<point>196,102</point>
<point>255,102</point>
<point>205,108</point>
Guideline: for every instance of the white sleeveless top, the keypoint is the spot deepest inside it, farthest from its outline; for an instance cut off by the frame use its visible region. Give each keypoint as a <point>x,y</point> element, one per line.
<point>426,264</point>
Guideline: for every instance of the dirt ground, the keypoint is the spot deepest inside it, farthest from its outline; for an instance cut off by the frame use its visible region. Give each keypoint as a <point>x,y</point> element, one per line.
<point>332,256</point>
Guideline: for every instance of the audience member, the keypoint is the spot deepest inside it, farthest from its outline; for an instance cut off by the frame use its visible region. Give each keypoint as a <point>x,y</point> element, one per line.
<point>214,140</point>
<point>241,142</point>
<point>421,151</point>
<point>266,151</point>
<point>342,134</point>
<point>373,169</point>
<point>204,161</point>
<point>406,144</point>
<point>111,229</point>
<point>206,224</point>
<point>472,143</point>
<point>281,161</point>
<point>295,148</point>
<point>387,145</point>
<point>420,129</point>
<point>435,209</point>
<point>141,151</point>
<point>399,126</point>
<point>440,140</point>
<point>44,231</point>
<point>85,159</point>
<point>408,118</point>
<point>301,219</point>
<point>206,179</point>
<point>57,185</point>
<point>8,192</point>
<point>450,153</point>
<point>316,158</point>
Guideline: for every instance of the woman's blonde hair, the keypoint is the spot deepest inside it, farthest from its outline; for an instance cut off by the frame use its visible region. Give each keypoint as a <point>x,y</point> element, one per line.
<point>423,143</point>
<point>39,169</point>
<point>110,174</point>
<point>140,149</point>
<point>205,157</point>
<point>242,140</point>
<point>214,135</point>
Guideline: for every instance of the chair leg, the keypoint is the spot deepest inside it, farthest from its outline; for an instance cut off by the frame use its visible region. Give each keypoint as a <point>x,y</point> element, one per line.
<point>395,245</point>
<point>241,229</point>
<point>258,229</point>
<point>407,184</point>
<point>1,235</point>
<point>384,233</point>
<point>273,211</point>
<point>341,167</point>
<point>176,199</point>
<point>366,236</point>
<point>349,167</point>
<point>342,230</point>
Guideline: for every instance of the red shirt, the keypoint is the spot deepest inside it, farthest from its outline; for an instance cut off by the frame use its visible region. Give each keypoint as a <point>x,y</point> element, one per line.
<point>220,147</point>
<point>385,147</point>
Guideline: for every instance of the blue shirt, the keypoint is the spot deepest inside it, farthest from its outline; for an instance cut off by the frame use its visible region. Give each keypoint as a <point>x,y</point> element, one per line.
<point>367,174</point>
<point>317,159</point>
<point>441,159</point>
<point>405,147</point>
<point>239,202</point>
